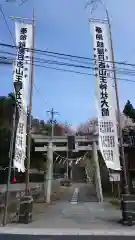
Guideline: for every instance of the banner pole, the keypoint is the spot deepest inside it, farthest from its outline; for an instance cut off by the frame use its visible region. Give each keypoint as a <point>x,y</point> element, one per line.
<point>122,154</point>
<point>30,107</point>
<point>10,165</point>
<point>124,180</point>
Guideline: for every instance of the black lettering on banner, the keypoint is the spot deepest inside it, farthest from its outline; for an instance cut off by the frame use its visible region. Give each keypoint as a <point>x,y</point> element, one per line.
<point>100,44</point>
<point>103,86</point>
<point>21,51</point>
<point>108,141</point>
<point>109,126</point>
<point>108,75</point>
<point>101,65</point>
<point>106,127</point>
<point>19,94</point>
<point>102,71</point>
<point>18,155</point>
<point>99,36</point>
<point>23,30</point>
<point>101,57</point>
<point>95,62</point>
<point>103,80</point>
<point>25,75</point>
<point>108,155</point>
<point>20,56</point>
<point>100,51</point>
<point>27,59</point>
<point>19,98</point>
<point>19,72</point>
<point>19,101</point>
<point>20,64</point>
<point>104,103</point>
<point>21,45</point>
<point>19,139</point>
<point>107,66</point>
<point>18,78</point>
<point>103,95</point>
<point>112,141</point>
<point>105,112</point>
<point>23,37</point>
<point>98,29</point>
<point>21,127</point>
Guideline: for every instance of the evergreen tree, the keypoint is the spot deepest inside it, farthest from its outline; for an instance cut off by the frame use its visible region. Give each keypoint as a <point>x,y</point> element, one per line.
<point>129,111</point>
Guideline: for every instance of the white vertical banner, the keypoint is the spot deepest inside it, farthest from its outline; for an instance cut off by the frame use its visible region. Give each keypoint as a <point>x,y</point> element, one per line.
<point>108,136</point>
<point>21,76</point>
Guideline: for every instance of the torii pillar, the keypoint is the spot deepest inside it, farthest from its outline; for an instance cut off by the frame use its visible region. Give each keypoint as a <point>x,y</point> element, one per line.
<point>97,172</point>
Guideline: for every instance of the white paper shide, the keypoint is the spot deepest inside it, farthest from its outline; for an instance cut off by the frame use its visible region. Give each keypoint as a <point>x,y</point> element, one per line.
<point>21,76</point>
<point>108,137</point>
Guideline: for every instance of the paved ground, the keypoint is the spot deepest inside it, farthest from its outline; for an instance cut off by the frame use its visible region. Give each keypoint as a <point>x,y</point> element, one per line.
<point>80,216</point>
<point>61,237</point>
<point>86,194</point>
<point>77,214</point>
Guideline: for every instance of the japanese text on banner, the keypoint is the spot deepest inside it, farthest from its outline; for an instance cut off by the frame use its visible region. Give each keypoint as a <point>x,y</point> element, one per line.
<point>108,139</point>
<point>21,78</point>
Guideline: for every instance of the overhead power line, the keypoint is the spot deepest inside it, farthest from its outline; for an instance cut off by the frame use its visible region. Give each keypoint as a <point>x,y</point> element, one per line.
<point>48,62</point>
<point>54,56</point>
<point>67,55</point>
<point>39,92</point>
<point>120,71</point>
<point>76,72</point>
<point>6,23</point>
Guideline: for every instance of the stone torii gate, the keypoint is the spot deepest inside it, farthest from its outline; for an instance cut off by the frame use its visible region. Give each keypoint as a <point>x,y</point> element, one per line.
<point>84,143</point>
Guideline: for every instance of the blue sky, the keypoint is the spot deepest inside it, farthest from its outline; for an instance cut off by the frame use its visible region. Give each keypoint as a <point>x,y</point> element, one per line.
<point>62,26</point>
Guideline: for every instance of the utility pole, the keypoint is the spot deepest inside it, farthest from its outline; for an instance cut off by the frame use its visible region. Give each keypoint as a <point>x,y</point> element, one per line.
<point>125,189</point>
<point>52,121</point>
<point>49,173</point>
<point>10,163</point>
<point>30,107</point>
<point>67,164</point>
<point>16,86</point>
<point>124,180</point>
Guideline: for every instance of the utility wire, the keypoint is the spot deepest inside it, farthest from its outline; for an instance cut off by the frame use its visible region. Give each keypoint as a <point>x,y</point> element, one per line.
<point>121,71</point>
<point>39,92</point>
<point>6,22</point>
<point>82,73</point>
<point>55,56</point>
<point>77,72</point>
<point>67,55</point>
